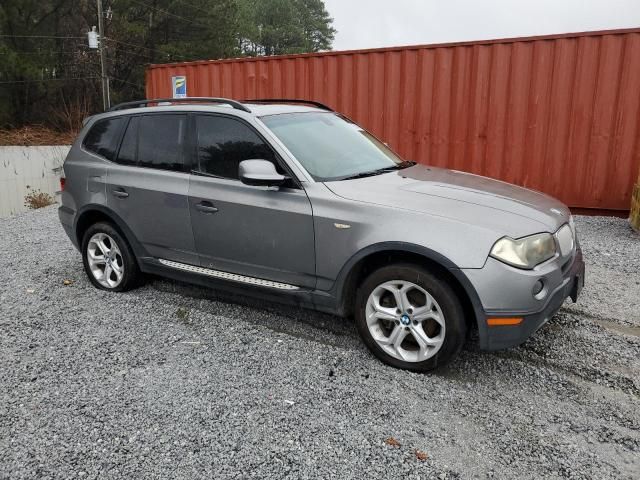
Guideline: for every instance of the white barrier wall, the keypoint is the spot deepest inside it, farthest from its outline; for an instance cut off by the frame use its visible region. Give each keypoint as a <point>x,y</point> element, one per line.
<point>24,167</point>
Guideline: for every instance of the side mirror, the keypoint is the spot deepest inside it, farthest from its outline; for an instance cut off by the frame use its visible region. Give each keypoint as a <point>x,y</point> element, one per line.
<point>260,173</point>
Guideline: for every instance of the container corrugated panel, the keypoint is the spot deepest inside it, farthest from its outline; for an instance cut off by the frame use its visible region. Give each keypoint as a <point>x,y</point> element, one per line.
<point>559,114</point>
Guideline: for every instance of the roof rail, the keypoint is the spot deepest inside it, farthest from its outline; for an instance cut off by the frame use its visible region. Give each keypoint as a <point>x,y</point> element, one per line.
<point>289,100</point>
<point>145,103</point>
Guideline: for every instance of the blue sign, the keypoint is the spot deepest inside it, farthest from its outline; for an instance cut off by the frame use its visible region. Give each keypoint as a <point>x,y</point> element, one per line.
<point>179,86</point>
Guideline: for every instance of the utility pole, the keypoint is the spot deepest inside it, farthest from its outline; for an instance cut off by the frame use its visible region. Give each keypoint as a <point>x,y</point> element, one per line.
<point>106,99</point>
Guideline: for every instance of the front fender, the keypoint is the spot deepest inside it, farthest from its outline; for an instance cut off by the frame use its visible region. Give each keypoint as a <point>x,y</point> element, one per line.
<point>340,290</point>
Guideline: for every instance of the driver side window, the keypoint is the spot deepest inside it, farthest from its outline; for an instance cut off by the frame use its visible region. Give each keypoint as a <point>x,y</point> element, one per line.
<point>224,142</point>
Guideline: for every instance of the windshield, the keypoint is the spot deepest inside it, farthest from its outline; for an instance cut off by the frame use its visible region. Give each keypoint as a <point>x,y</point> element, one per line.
<point>331,147</point>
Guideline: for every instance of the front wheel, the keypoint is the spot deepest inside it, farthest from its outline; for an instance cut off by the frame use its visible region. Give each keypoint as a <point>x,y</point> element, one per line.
<point>409,318</point>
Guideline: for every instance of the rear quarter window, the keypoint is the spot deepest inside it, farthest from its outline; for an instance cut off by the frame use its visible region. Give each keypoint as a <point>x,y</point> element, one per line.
<point>102,139</point>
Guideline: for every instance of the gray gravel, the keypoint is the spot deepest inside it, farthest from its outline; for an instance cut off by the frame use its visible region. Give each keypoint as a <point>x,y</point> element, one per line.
<point>174,381</point>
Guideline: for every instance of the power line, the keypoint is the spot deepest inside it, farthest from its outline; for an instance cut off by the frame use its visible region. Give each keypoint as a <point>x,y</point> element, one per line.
<point>71,52</point>
<point>143,55</point>
<point>38,36</point>
<point>46,80</point>
<point>130,83</point>
<point>40,53</point>
<point>127,43</point>
<point>200,9</point>
<point>143,47</point>
<point>105,38</point>
<point>131,52</point>
<point>170,14</point>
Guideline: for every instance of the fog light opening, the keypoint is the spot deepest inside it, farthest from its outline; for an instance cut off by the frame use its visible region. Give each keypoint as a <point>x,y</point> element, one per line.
<point>537,287</point>
<point>539,291</point>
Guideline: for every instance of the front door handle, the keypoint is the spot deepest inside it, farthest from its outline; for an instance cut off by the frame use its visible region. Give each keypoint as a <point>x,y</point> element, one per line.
<point>206,207</point>
<point>120,193</point>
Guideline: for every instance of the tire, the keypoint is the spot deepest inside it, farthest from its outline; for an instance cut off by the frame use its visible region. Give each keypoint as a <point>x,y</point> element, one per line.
<point>102,240</point>
<point>426,331</point>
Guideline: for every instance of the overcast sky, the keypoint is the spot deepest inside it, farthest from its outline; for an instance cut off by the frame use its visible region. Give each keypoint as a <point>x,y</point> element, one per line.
<point>385,23</point>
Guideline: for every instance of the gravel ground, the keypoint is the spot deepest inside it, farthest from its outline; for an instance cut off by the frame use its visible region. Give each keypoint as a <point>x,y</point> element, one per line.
<point>174,381</point>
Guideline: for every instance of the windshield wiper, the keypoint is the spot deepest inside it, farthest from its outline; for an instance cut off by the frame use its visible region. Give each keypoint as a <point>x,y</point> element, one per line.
<point>371,173</point>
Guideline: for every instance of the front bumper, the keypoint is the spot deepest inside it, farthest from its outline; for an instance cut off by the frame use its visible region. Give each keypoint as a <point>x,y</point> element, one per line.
<point>561,280</point>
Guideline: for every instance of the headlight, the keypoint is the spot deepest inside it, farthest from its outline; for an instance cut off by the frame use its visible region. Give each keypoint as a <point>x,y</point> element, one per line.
<point>525,252</point>
<point>565,237</point>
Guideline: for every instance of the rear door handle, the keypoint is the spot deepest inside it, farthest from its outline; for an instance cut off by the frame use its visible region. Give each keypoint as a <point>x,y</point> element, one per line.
<point>120,193</point>
<point>206,207</point>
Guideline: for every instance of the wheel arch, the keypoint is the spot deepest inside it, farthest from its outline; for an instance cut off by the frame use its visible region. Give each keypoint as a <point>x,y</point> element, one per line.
<point>91,214</point>
<point>374,256</point>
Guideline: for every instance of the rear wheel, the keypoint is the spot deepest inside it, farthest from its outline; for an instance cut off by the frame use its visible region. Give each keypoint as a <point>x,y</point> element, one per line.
<point>409,318</point>
<point>108,260</point>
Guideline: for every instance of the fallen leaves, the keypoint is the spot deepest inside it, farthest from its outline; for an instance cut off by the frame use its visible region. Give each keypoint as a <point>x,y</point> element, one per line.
<point>67,282</point>
<point>392,442</point>
<point>420,455</point>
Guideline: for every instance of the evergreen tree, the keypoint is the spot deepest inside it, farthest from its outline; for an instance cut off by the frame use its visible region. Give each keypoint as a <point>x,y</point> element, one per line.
<point>49,75</point>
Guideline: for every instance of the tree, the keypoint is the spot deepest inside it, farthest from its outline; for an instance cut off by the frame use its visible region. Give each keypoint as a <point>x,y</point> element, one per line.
<point>48,75</point>
<point>276,27</point>
<point>33,69</point>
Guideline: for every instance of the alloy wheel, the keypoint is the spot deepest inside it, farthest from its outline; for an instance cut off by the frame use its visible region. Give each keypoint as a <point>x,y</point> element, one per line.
<point>105,260</point>
<point>405,321</point>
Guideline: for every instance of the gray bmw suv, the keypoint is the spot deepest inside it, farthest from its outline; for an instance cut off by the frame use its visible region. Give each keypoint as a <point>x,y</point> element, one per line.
<point>289,201</point>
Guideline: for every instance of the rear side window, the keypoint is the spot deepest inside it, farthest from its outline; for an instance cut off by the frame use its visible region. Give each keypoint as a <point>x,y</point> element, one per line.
<point>161,141</point>
<point>224,142</point>
<point>103,137</point>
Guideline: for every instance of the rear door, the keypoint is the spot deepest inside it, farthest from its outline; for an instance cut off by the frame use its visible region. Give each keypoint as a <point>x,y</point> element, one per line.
<point>259,232</point>
<point>149,183</point>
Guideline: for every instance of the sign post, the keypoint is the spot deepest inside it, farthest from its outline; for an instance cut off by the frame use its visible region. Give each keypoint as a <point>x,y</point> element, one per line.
<point>179,84</point>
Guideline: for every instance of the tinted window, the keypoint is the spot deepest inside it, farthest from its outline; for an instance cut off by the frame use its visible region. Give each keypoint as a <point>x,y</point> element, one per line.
<point>223,143</point>
<point>161,141</point>
<point>127,153</point>
<point>103,137</point>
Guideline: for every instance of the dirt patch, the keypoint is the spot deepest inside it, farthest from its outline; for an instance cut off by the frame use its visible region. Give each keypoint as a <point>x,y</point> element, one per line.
<point>618,328</point>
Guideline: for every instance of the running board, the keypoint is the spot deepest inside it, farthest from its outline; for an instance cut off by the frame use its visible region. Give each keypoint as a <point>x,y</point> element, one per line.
<point>227,276</point>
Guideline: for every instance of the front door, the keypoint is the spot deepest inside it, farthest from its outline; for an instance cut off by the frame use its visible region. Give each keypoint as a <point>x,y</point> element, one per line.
<point>259,232</point>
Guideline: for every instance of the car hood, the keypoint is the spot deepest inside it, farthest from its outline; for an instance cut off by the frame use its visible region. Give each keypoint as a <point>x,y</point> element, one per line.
<point>501,206</point>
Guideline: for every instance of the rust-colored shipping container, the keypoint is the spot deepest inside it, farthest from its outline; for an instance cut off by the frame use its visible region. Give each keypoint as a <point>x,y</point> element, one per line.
<point>560,114</point>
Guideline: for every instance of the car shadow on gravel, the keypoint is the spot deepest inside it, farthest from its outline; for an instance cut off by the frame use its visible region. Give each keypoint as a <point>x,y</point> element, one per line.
<point>290,320</point>
<point>281,318</point>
